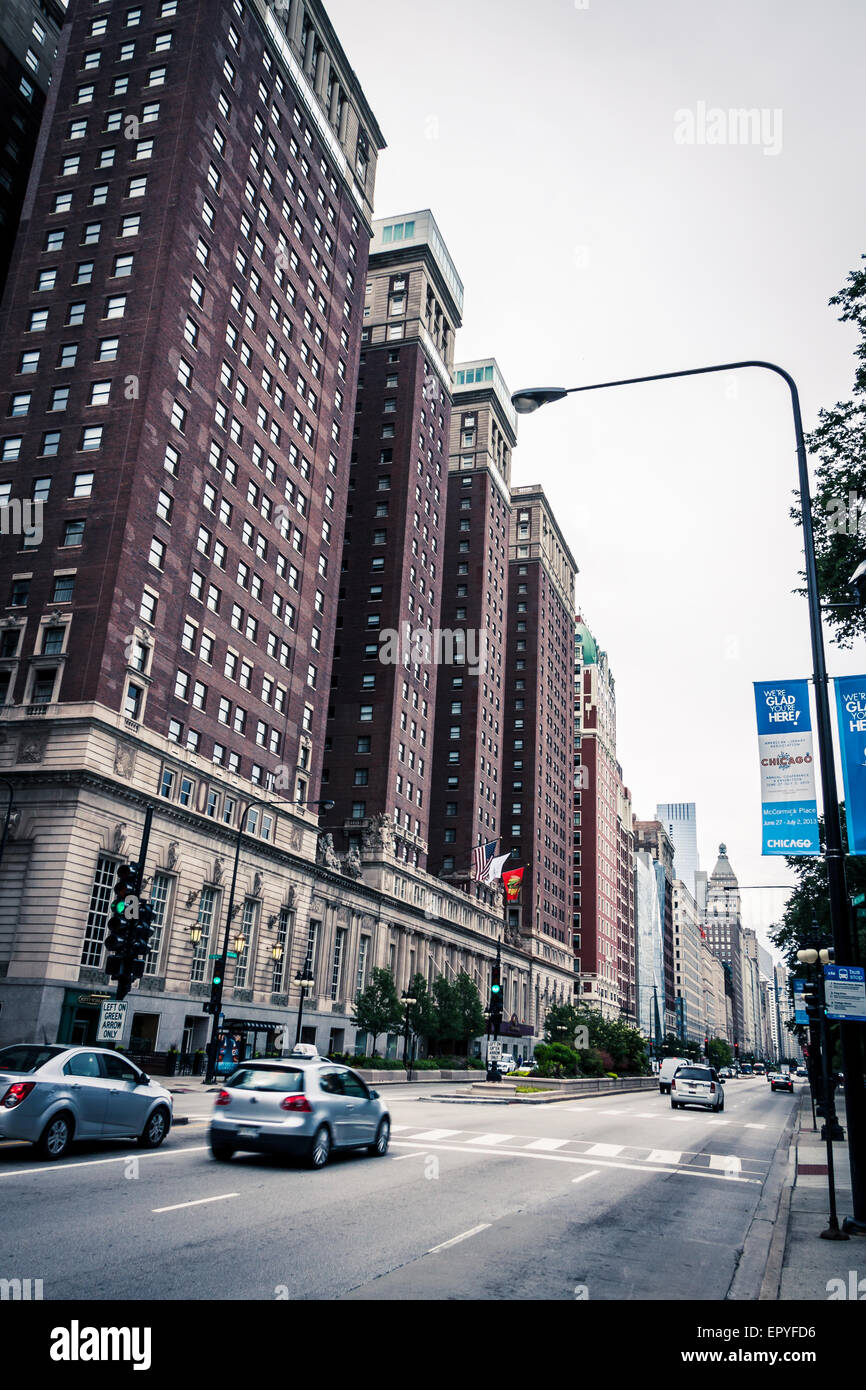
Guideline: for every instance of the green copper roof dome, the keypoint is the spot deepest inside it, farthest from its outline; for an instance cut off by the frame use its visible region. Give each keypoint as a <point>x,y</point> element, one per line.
<point>587,643</point>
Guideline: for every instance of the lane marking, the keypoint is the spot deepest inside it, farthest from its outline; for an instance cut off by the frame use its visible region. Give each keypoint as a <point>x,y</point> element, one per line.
<point>665,1156</point>
<point>567,1158</point>
<point>548,1144</point>
<point>748,1126</point>
<point>438,1134</point>
<point>583,1177</point>
<point>403,1157</point>
<point>98,1162</point>
<point>490,1139</point>
<point>396,1127</point>
<point>200,1202</point>
<point>606,1150</point>
<point>455,1240</point>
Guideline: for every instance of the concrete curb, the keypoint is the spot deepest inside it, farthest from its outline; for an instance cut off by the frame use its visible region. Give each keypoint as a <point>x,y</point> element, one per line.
<point>759,1249</point>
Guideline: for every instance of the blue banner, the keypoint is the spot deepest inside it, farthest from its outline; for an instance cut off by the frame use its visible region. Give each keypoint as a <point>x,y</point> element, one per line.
<point>789,805</point>
<point>851,714</point>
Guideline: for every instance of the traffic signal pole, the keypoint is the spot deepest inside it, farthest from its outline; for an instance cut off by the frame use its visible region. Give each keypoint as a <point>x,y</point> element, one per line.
<point>125,979</point>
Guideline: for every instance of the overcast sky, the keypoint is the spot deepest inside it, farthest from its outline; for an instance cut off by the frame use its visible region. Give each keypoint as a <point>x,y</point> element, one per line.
<point>565,149</point>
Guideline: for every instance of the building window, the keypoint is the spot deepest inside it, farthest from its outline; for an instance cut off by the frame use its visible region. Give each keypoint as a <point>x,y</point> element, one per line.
<point>100,901</point>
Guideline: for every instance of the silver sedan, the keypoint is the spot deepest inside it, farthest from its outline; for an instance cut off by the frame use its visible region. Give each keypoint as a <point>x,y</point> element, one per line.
<point>51,1094</point>
<point>299,1105</point>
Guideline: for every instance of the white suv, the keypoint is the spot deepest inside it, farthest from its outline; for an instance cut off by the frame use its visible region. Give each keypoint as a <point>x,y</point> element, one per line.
<point>697,1085</point>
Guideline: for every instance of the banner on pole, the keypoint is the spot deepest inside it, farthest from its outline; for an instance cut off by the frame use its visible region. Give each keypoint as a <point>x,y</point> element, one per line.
<point>513,880</point>
<point>851,715</point>
<point>789,805</point>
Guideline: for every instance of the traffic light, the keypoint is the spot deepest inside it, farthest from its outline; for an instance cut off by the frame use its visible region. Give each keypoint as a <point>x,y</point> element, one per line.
<point>706,1047</point>
<point>138,941</point>
<point>214,1004</point>
<point>496,990</point>
<point>125,904</point>
<point>809,998</point>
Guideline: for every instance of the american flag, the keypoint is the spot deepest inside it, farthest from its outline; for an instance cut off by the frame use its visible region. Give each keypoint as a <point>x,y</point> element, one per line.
<point>481,856</point>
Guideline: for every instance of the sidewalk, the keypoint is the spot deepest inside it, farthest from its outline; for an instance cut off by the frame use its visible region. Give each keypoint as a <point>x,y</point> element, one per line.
<point>801,1266</point>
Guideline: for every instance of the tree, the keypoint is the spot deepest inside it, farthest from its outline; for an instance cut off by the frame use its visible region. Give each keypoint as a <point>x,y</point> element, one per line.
<point>468,1010</point>
<point>445,1017</point>
<point>839,503</point>
<point>809,903</point>
<point>378,1008</point>
<point>561,1024</point>
<point>719,1054</point>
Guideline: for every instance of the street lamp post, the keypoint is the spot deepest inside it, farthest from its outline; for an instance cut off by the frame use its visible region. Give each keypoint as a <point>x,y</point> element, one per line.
<point>527,401</point>
<point>831,1129</point>
<point>305,980</point>
<point>408,1000</point>
<point>220,967</point>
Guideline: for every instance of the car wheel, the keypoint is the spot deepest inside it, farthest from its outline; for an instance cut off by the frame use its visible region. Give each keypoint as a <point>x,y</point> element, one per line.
<point>320,1149</point>
<point>56,1137</point>
<point>379,1146</point>
<point>223,1153</point>
<point>156,1129</point>
<point>675,1105</point>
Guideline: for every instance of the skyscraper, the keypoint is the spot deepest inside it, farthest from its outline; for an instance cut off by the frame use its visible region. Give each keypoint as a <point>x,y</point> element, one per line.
<point>381,714</point>
<point>29,38</point>
<point>539,725</point>
<point>680,822</point>
<point>724,935</point>
<point>181,332</point>
<point>468,792</point>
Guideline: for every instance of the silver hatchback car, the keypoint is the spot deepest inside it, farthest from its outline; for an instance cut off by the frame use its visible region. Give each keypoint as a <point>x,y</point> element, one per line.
<point>51,1094</point>
<point>300,1105</point>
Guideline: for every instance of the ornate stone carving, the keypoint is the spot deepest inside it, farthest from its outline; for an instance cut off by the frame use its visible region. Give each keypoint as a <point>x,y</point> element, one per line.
<point>379,834</point>
<point>258,883</point>
<point>296,838</point>
<point>31,748</point>
<point>124,760</point>
<point>352,863</point>
<point>326,855</point>
<point>173,855</point>
<point>218,869</point>
<point>118,839</point>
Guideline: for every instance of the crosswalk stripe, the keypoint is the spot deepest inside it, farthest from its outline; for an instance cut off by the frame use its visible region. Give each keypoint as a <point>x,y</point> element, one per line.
<point>664,1156</point>
<point>729,1163</point>
<point>490,1139</point>
<point>394,1128</point>
<point>604,1150</point>
<point>547,1144</point>
<point>431,1134</point>
<point>748,1126</point>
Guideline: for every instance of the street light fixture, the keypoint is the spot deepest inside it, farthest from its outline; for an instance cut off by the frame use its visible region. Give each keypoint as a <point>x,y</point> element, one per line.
<point>195,933</point>
<point>305,980</point>
<point>240,943</point>
<point>277,951</point>
<point>527,401</point>
<point>408,1000</point>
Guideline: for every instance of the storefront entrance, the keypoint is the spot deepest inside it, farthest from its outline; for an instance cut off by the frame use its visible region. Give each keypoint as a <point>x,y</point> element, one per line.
<point>240,1040</point>
<point>79,1017</point>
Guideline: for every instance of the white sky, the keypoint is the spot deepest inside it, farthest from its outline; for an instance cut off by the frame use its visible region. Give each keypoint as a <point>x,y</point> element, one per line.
<point>592,246</point>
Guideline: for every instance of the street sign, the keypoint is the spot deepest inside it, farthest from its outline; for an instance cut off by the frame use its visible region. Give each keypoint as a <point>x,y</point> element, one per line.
<point>230,955</point>
<point>581,1038</point>
<point>800,1015</point>
<point>857,899</point>
<point>494,1051</point>
<point>112,1017</point>
<point>845,992</point>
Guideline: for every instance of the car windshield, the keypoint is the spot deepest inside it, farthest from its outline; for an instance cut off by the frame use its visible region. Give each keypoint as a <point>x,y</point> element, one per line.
<point>267,1079</point>
<point>693,1074</point>
<point>27,1057</point>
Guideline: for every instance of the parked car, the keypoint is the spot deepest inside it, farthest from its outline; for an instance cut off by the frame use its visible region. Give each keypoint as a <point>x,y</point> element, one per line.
<point>507,1064</point>
<point>303,1106</point>
<point>782,1081</point>
<point>697,1085</point>
<point>667,1070</point>
<point>52,1094</point>
<point>726,1074</point>
<point>801,1071</point>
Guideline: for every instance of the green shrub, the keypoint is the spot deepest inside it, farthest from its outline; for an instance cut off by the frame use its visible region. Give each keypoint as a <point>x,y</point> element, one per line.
<point>555,1059</point>
<point>426,1064</point>
<point>591,1063</point>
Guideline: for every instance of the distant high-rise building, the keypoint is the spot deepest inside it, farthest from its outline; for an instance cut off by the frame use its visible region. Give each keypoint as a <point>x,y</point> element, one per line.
<point>603,839</point>
<point>381,716</point>
<point>468,792</point>
<point>652,837</point>
<point>679,820</point>
<point>723,925</point>
<point>539,728</point>
<point>688,976</point>
<point>30,33</point>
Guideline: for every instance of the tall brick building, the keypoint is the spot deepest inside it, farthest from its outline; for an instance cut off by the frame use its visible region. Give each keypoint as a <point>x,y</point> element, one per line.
<point>29,36</point>
<point>539,727</point>
<point>379,758</point>
<point>469,743</point>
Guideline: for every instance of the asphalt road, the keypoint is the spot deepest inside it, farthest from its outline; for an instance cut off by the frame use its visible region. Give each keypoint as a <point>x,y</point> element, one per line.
<point>597,1199</point>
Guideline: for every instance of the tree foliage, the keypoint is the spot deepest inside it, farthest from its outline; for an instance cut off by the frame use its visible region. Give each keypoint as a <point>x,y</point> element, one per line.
<point>839,502</point>
<point>806,919</point>
<point>378,1008</point>
<point>720,1053</point>
<point>625,1046</point>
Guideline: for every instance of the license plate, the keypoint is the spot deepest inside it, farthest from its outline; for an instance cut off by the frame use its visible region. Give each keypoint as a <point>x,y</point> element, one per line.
<point>248,1133</point>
